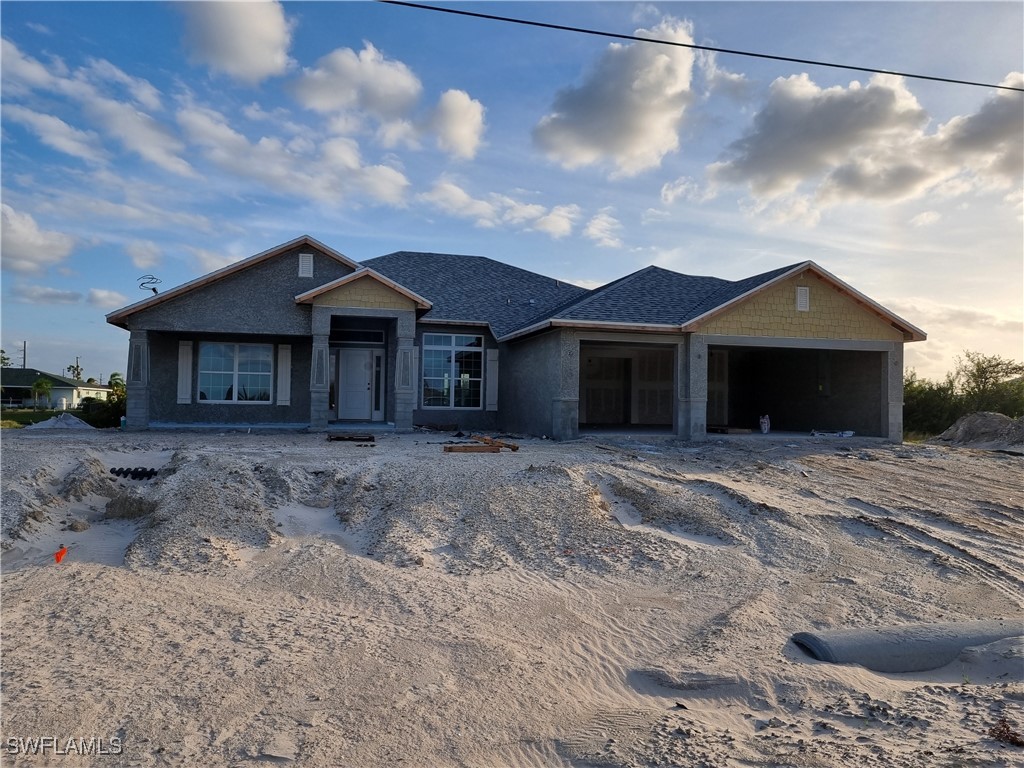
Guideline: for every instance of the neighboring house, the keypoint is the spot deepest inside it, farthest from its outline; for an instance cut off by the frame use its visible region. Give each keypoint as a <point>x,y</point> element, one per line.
<point>16,384</point>
<point>302,336</point>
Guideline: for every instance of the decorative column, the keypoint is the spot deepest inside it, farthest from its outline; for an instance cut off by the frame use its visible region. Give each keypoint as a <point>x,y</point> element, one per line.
<point>319,383</point>
<point>892,393</point>
<point>406,377</point>
<point>137,381</point>
<point>691,412</point>
<point>565,408</point>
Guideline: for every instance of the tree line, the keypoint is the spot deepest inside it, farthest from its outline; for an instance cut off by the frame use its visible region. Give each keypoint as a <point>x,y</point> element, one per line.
<point>977,383</point>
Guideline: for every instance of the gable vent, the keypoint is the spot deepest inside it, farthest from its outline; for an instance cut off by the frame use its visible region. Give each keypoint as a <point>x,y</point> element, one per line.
<point>305,265</point>
<point>803,299</point>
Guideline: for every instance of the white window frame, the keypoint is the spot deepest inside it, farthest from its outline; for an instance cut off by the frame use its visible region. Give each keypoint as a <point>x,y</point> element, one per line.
<point>234,380</point>
<point>454,350</point>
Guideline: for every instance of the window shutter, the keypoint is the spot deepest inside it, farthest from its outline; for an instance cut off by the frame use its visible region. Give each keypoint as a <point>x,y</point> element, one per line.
<point>184,372</point>
<point>491,381</point>
<point>284,374</point>
<point>305,265</point>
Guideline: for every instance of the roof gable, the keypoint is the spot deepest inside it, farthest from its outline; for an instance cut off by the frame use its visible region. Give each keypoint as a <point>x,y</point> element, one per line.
<point>118,317</point>
<point>747,290</point>
<point>364,273</point>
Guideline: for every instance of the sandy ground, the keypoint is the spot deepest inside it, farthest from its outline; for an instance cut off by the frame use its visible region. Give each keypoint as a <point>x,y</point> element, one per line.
<point>282,599</point>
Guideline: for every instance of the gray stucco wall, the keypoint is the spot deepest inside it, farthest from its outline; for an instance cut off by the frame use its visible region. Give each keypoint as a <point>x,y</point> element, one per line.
<point>530,383</point>
<point>163,390</point>
<point>258,299</point>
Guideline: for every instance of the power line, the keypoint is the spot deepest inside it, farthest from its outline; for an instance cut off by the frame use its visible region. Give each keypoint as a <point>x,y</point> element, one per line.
<point>617,36</point>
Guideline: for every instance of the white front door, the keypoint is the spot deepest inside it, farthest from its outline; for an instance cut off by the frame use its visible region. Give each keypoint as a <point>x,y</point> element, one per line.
<point>355,378</point>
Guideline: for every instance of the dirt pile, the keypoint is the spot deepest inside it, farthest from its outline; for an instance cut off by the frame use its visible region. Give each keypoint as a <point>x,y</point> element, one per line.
<point>992,431</point>
<point>61,421</point>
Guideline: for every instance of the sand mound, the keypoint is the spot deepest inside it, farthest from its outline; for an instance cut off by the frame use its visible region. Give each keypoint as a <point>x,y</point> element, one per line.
<point>993,431</point>
<point>281,599</point>
<point>61,421</point>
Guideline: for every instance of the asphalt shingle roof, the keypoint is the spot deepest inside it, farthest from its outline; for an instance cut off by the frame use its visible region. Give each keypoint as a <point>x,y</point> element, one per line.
<point>475,288</point>
<point>478,289</point>
<point>26,377</point>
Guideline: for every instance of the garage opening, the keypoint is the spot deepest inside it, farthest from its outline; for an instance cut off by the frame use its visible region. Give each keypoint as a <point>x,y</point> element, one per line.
<point>800,390</point>
<point>626,385</point>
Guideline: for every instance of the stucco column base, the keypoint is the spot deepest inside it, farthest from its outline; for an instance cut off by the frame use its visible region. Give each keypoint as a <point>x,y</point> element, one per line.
<point>319,406</point>
<point>693,419</point>
<point>565,418</point>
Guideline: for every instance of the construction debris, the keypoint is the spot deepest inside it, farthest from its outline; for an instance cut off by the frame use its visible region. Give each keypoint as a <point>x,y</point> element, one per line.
<point>492,441</point>
<point>469,448</point>
<point>352,438</point>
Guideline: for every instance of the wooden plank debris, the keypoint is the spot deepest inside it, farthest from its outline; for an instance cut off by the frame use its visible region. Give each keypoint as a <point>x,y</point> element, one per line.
<point>466,448</point>
<point>728,430</point>
<point>352,438</point>
<point>492,441</point>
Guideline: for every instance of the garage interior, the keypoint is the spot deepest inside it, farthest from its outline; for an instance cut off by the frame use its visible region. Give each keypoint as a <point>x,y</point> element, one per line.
<point>799,389</point>
<point>626,385</point>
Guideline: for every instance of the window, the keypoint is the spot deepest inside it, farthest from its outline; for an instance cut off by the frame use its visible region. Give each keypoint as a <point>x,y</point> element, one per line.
<point>452,370</point>
<point>235,373</point>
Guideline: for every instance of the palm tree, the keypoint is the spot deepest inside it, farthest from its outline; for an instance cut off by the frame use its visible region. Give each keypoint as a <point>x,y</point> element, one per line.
<point>41,388</point>
<point>118,390</point>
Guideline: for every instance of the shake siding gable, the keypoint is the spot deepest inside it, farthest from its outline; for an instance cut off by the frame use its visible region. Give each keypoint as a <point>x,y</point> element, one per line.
<point>364,292</point>
<point>773,312</point>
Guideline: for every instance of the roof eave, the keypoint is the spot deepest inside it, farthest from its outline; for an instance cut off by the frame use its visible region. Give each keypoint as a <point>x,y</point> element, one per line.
<point>118,317</point>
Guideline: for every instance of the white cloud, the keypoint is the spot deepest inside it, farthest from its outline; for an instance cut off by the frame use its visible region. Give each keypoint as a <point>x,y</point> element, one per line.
<point>247,41</point>
<point>732,84</point>
<point>559,221</point>
<point>458,122</point>
<point>925,219</point>
<point>869,143</point>
<point>21,74</point>
<point>55,133</point>
<point>629,109</point>
<point>603,229</point>
<point>40,294</point>
<point>140,133</point>
<point>101,297</point>
<point>210,261</point>
<point>497,210</point>
<point>142,91</point>
<point>27,249</point>
<point>803,131</point>
<point>450,198</point>
<point>345,80</point>
<point>683,187</point>
<point>325,173</point>
<point>144,253</point>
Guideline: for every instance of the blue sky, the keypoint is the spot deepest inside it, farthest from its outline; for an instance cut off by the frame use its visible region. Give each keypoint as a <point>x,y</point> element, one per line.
<point>171,139</point>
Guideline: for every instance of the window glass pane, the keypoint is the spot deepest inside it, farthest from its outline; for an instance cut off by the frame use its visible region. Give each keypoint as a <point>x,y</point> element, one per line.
<point>436,363</point>
<point>253,386</point>
<point>436,392</point>
<point>436,340</point>
<point>469,341</point>
<point>254,358</point>
<point>216,357</point>
<point>467,393</point>
<point>215,386</point>
<point>469,364</point>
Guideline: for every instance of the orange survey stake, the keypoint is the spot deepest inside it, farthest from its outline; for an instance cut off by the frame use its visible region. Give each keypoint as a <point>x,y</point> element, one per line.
<point>59,554</point>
